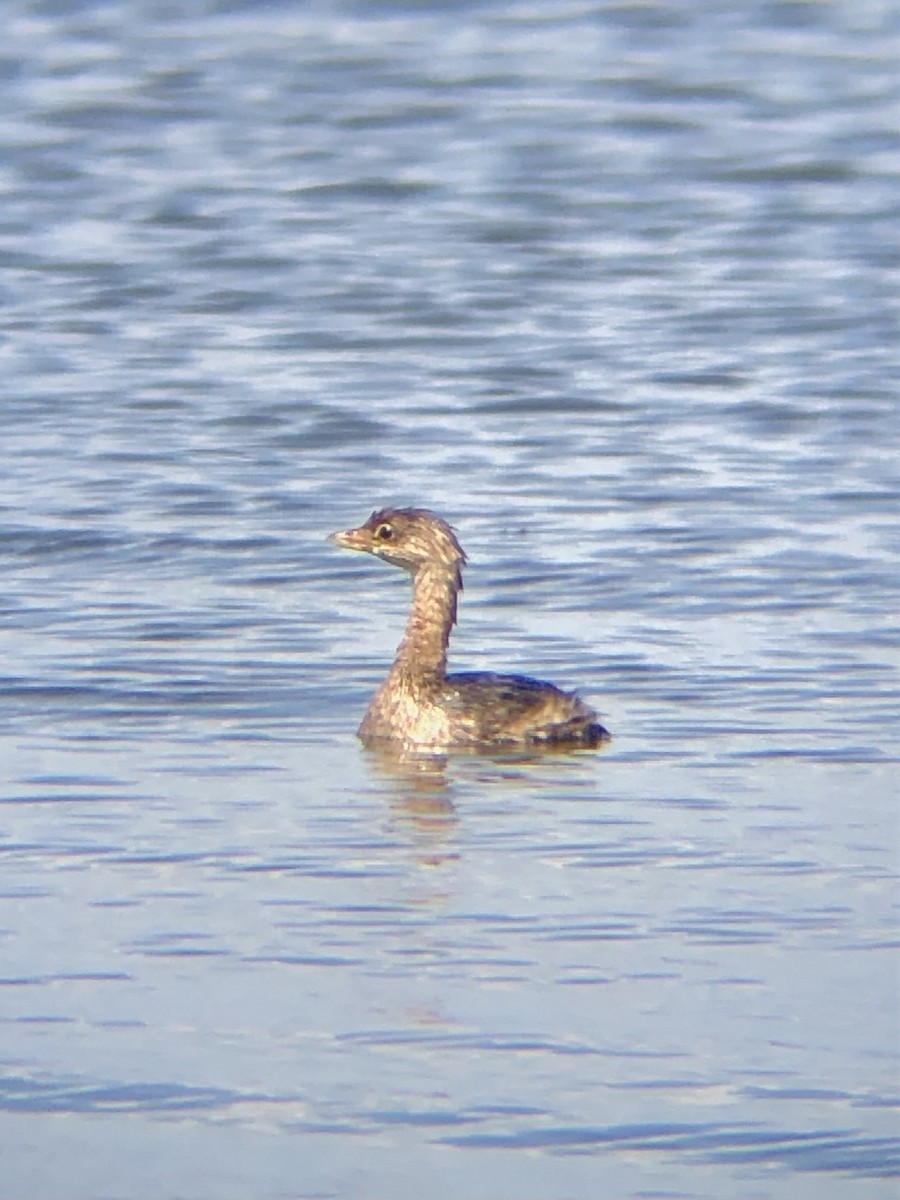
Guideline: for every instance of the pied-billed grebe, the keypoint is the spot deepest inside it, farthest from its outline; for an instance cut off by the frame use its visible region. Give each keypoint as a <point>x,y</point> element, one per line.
<point>419,704</point>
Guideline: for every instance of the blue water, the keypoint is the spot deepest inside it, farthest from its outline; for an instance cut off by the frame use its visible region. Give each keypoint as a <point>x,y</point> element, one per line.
<point>612,286</point>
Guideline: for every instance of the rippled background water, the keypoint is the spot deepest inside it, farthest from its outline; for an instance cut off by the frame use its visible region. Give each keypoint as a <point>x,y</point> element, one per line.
<point>610,285</point>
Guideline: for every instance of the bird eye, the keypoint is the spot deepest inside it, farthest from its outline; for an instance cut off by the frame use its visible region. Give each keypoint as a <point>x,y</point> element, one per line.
<point>384,533</point>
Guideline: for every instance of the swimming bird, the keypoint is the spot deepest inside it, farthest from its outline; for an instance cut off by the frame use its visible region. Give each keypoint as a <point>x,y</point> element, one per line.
<point>419,705</point>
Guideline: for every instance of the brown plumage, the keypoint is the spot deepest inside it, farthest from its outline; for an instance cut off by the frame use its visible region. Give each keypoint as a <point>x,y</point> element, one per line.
<point>419,705</point>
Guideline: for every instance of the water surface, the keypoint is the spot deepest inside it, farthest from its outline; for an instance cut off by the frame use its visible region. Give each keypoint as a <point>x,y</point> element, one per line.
<point>612,287</point>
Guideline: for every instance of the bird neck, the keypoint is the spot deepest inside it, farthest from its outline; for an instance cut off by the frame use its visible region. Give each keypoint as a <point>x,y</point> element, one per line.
<point>423,651</point>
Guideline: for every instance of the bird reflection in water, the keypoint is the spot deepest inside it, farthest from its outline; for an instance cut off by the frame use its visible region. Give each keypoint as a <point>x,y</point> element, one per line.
<point>421,803</point>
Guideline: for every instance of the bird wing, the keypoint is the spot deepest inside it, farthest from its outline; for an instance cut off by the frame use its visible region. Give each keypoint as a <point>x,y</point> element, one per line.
<point>505,708</point>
